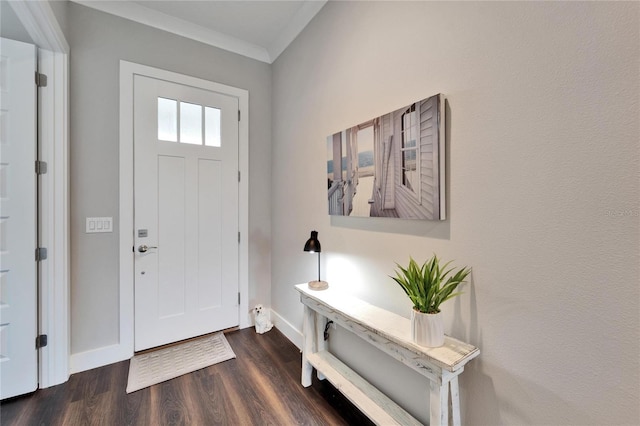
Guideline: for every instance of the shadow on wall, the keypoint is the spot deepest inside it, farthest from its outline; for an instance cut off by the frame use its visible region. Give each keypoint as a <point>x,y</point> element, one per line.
<point>478,399</point>
<point>482,399</point>
<point>458,328</point>
<point>478,387</point>
<point>481,383</point>
<point>439,229</point>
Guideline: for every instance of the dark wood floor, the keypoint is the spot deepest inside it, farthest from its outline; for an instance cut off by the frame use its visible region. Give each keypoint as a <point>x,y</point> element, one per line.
<point>260,387</point>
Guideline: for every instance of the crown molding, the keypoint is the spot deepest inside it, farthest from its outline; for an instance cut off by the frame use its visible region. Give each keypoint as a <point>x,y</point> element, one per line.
<point>144,15</point>
<point>41,24</point>
<point>300,20</point>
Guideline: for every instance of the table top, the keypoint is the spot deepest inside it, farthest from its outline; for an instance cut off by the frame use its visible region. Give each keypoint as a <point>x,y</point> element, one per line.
<point>452,356</point>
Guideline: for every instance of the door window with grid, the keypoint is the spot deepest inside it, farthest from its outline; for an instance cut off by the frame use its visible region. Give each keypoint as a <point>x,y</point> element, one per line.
<point>186,122</point>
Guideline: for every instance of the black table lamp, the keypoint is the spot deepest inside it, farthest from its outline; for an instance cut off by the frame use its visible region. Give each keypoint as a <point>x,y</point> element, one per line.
<point>313,246</point>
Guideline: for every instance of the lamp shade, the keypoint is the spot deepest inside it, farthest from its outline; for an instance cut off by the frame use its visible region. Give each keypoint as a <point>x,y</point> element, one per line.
<point>313,245</point>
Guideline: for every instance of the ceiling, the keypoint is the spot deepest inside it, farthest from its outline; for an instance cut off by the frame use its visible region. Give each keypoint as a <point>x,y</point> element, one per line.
<point>259,29</point>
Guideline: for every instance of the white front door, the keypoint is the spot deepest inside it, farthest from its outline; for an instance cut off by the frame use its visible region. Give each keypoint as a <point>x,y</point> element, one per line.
<point>185,211</point>
<point>18,276</point>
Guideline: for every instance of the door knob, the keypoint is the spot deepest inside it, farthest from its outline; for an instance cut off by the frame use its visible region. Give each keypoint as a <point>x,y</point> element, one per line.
<point>144,248</point>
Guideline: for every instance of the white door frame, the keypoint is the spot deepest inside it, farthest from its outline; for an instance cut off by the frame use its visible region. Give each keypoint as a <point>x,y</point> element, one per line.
<point>127,71</point>
<point>42,26</point>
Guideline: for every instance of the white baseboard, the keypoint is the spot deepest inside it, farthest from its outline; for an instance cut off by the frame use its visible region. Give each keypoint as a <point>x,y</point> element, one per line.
<point>286,328</point>
<point>99,357</point>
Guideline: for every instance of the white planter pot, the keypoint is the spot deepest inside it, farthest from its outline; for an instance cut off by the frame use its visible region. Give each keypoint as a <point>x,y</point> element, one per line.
<point>427,329</point>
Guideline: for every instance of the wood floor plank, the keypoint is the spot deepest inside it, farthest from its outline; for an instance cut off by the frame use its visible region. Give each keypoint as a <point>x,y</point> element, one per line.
<point>266,380</point>
<point>12,411</point>
<point>217,400</point>
<point>238,377</point>
<point>134,408</point>
<point>274,370</point>
<point>261,386</point>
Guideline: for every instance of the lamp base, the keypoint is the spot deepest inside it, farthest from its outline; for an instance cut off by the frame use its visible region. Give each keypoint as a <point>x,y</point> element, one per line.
<point>318,285</point>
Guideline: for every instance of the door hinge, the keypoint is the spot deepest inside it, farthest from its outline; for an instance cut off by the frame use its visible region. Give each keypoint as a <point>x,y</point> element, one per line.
<point>41,254</point>
<point>239,115</point>
<point>238,298</point>
<point>41,167</point>
<point>41,341</point>
<point>238,175</point>
<point>238,237</point>
<point>41,80</point>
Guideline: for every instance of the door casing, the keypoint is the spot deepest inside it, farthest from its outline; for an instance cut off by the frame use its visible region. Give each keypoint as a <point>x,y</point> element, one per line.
<point>124,349</point>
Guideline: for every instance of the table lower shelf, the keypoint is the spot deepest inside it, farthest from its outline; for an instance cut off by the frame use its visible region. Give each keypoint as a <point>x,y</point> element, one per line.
<point>373,403</point>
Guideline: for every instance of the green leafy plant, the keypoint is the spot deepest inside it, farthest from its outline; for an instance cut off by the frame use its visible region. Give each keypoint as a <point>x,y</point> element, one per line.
<point>428,286</point>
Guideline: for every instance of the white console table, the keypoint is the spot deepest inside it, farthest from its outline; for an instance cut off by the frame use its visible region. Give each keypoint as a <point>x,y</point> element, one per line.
<point>391,333</point>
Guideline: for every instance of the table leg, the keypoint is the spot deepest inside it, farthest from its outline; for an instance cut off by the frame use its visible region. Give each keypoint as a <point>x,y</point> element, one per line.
<point>439,404</point>
<point>321,344</point>
<point>307,345</point>
<point>455,401</point>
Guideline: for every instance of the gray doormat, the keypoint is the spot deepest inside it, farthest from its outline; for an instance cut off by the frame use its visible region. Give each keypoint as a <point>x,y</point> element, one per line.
<point>164,364</point>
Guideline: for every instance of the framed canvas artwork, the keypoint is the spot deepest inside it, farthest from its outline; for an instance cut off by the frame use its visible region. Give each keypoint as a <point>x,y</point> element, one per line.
<point>390,166</point>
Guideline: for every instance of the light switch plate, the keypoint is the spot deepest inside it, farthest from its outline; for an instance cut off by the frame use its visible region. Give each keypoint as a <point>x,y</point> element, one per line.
<point>99,224</point>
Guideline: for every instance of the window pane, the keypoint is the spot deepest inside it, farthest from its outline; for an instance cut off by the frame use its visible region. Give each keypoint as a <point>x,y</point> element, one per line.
<point>413,129</point>
<point>211,126</point>
<point>409,149</point>
<point>406,125</point>
<point>167,120</point>
<point>409,172</point>
<point>190,123</point>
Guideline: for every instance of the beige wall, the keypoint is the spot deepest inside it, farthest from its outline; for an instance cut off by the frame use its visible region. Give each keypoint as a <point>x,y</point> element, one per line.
<point>543,193</point>
<point>98,42</point>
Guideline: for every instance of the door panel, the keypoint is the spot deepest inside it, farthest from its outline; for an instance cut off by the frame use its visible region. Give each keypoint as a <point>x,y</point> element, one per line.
<point>210,256</point>
<point>186,203</point>
<point>172,221</point>
<point>18,295</point>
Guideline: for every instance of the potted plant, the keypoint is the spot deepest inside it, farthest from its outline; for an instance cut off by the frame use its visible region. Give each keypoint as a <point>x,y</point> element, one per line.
<point>428,286</point>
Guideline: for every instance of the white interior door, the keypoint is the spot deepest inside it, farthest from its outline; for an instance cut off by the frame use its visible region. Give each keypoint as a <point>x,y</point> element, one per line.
<point>18,276</point>
<point>186,211</point>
